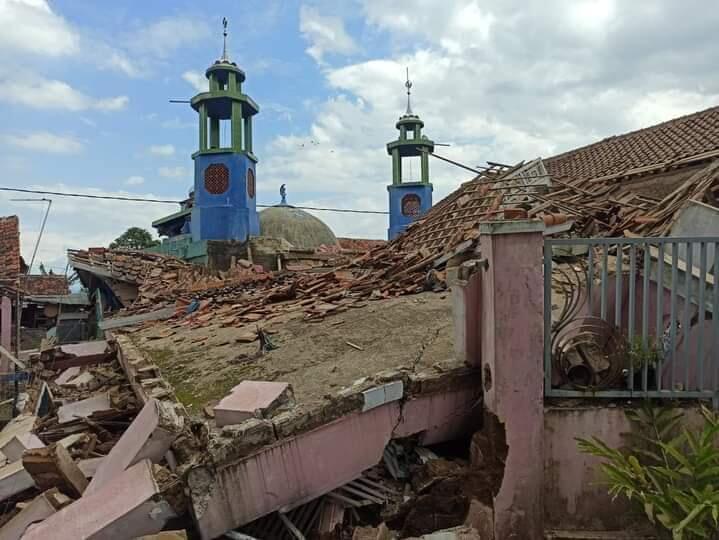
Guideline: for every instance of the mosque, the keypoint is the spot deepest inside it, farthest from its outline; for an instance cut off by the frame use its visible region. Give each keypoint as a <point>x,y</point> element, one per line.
<point>219,219</point>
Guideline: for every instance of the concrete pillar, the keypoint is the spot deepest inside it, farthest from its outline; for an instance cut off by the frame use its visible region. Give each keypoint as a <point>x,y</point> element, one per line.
<point>465,283</point>
<point>396,167</point>
<point>511,351</point>
<point>236,126</point>
<point>5,331</point>
<point>214,132</point>
<point>424,161</point>
<point>203,127</point>
<point>248,134</point>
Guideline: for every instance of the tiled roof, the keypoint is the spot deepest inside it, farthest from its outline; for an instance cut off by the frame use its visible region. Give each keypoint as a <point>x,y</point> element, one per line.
<point>359,244</point>
<point>46,284</point>
<point>9,247</point>
<point>456,216</point>
<point>663,144</point>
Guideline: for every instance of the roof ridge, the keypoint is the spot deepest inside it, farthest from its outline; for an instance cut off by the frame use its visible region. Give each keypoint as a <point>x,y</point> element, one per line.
<point>633,132</point>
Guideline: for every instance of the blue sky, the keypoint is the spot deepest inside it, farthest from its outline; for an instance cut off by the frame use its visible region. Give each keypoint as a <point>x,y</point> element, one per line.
<point>84,89</point>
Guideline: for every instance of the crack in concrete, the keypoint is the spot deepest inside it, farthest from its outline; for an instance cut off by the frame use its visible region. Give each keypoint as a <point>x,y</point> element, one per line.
<point>427,342</point>
<point>423,348</point>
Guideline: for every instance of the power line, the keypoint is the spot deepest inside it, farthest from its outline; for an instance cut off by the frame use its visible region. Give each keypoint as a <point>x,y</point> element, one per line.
<point>165,201</point>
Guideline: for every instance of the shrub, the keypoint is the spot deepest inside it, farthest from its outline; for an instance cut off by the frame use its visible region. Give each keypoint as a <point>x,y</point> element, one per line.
<point>673,473</point>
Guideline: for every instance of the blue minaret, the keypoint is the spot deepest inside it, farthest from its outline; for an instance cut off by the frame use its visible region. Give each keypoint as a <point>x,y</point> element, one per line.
<point>408,200</point>
<point>224,207</point>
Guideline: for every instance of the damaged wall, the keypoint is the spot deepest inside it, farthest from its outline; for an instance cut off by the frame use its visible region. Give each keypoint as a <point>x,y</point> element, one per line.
<point>575,495</point>
<point>301,468</point>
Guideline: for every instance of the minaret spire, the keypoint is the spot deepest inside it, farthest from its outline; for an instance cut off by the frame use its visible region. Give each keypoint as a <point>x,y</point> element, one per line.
<point>224,39</point>
<point>408,85</point>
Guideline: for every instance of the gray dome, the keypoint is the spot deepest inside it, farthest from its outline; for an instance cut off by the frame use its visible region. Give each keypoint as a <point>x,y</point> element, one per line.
<point>302,230</point>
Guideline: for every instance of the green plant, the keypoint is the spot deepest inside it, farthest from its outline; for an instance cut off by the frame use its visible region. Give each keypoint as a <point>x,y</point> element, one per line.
<point>641,354</point>
<point>673,473</point>
<point>134,238</point>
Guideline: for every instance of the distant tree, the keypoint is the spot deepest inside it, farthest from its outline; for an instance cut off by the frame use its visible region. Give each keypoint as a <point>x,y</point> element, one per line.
<point>134,238</point>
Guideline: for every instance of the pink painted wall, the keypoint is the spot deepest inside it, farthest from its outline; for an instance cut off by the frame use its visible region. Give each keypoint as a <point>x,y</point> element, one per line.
<point>512,346</point>
<point>574,496</point>
<point>302,468</point>
<point>5,330</point>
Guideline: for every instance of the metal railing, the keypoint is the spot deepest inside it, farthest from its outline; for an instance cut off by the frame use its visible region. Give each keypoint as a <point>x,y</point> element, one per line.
<point>630,317</point>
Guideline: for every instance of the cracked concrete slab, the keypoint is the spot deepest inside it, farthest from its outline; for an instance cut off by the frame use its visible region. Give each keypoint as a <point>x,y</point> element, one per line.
<point>203,364</point>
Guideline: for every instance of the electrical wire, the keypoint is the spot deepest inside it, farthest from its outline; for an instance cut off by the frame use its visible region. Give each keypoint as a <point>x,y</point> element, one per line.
<point>166,201</point>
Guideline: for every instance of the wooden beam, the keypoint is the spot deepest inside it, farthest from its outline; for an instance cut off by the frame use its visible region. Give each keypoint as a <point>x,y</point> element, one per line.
<point>7,354</point>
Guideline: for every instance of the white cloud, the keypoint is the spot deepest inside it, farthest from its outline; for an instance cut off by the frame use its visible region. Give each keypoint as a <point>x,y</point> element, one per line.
<point>119,61</point>
<point>662,105</point>
<point>43,141</point>
<point>197,80</point>
<point>325,33</point>
<point>167,35</point>
<point>135,181</point>
<point>67,227</point>
<point>162,150</point>
<point>32,26</point>
<point>477,87</point>
<point>54,94</point>
<point>173,172</point>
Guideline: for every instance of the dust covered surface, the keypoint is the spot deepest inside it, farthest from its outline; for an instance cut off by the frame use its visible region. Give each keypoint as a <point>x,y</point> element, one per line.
<point>317,358</point>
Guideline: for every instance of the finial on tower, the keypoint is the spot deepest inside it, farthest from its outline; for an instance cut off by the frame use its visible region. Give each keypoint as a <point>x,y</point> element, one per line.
<point>224,39</point>
<point>408,85</point>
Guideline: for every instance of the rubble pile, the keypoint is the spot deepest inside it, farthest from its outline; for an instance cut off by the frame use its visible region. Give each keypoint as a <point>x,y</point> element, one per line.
<point>597,207</point>
<point>413,493</point>
<point>381,273</point>
<point>131,266</point>
<point>61,451</point>
<point>605,207</point>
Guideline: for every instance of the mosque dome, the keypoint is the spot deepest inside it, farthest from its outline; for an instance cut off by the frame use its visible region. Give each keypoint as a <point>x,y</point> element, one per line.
<point>299,228</point>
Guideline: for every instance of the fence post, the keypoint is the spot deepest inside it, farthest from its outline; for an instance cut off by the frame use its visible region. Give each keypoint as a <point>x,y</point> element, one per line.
<point>511,321</point>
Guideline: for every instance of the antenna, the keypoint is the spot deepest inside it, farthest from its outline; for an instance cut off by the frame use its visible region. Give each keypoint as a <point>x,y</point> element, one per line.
<point>42,229</point>
<point>408,85</point>
<point>224,39</point>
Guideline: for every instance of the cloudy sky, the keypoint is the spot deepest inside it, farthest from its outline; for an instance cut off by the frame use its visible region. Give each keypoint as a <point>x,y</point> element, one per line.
<point>84,89</point>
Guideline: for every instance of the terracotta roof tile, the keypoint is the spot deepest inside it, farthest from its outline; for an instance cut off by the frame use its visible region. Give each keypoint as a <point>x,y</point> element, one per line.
<point>663,143</point>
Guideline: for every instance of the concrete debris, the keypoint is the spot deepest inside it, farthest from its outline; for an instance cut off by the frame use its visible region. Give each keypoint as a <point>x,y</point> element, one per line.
<point>15,447</point>
<point>69,373</point>
<point>455,533</point>
<point>149,436</point>
<point>251,399</point>
<point>84,380</point>
<point>17,430</point>
<point>83,408</point>
<point>40,508</point>
<point>14,479</point>
<point>76,355</point>
<point>165,535</point>
<point>89,466</point>
<point>133,505</point>
<point>53,466</point>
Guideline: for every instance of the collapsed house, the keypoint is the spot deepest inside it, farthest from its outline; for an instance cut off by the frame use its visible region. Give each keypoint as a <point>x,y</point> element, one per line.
<point>391,394</point>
